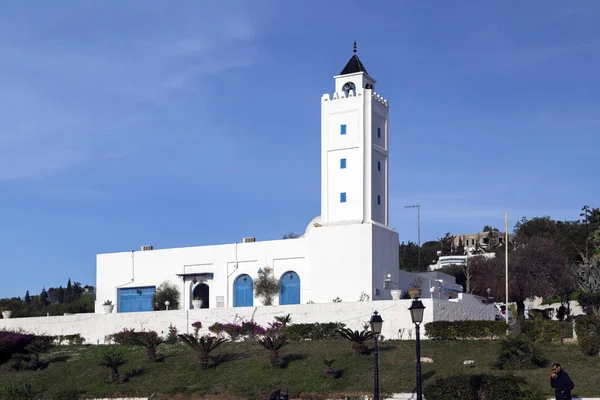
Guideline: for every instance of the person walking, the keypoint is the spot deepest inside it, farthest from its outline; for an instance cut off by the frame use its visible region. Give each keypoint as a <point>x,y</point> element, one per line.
<point>561,382</point>
<point>279,394</point>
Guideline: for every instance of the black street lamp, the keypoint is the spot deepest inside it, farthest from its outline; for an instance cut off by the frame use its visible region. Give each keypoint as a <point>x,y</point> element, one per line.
<point>376,323</point>
<point>416,313</point>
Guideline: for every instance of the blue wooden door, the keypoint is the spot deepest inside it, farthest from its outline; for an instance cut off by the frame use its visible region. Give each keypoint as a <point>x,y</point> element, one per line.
<point>136,299</point>
<point>243,293</point>
<point>289,288</point>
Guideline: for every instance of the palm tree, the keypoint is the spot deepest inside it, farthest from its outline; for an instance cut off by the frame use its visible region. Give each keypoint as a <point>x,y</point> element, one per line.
<point>518,351</point>
<point>284,320</point>
<point>203,346</point>
<point>357,338</point>
<point>150,343</point>
<point>274,344</point>
<point>113,362</point>
<point>329,371</point>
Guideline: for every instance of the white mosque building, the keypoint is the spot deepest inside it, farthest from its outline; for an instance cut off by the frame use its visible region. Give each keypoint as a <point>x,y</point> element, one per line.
<point>347,252</point>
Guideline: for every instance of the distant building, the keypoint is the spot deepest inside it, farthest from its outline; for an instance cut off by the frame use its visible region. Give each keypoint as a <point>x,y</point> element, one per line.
<point>480,240</point>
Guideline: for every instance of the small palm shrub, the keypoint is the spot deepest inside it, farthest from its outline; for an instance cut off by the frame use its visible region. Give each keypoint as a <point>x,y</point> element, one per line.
<point>274,344</point>
<point>329,371</point>
<point>150,342</point>
<point>203,346</point>
<point>357,338</point>
<point>284,320</point>
<point>518,352</point>
<point>113,362</point>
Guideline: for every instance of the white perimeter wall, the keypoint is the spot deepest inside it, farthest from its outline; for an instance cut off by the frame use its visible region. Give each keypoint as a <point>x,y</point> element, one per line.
<point>94,327</point>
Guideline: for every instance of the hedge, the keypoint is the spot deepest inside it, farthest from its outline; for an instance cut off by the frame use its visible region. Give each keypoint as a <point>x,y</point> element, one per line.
<point>462,330</point>
<point>587,328</point>
<point>542,330</point>
<point>475,387</point>
<point>313,331</point>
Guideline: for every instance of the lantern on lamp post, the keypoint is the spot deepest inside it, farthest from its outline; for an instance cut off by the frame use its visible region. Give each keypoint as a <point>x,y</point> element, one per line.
<point>416,313</point>
<point>376,324</point>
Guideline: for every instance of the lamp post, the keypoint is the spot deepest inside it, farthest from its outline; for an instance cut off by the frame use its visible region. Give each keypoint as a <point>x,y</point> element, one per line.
<point>416,313</point>
<point>167,304</point>
<point>376,323</point>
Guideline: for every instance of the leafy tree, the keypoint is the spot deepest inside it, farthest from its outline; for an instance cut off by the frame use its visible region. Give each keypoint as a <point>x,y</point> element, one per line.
<point>166,292</point>
<point>44,297</point>
<point>409,256</point>
<point>447,245</point>
<point>460,248</point>
<point>27,298</point>
<point>266,286</point>
<point>291,235</point>
<point>537,267</point>
<point>60,295</point>
<point>429,253</point>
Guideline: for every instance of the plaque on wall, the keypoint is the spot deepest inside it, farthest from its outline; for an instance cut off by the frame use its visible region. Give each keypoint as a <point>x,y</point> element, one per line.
<point>220,301</point>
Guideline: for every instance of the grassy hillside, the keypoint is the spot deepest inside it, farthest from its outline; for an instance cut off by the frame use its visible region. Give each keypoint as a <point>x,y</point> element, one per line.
<point>242,369</point>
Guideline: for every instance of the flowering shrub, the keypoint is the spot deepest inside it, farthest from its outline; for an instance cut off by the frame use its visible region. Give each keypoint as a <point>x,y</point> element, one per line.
<point>197,326</point>
<point>11,342</point>
<point>245,330</point>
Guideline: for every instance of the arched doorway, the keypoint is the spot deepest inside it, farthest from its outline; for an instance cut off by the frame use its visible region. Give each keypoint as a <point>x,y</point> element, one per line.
<point>201,291</point>
<point>243,293</point>
<point>289,292</point>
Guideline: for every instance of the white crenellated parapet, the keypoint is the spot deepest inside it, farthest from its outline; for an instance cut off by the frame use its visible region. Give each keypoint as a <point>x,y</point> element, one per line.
<point>380,99</point>
<point>340,95</point>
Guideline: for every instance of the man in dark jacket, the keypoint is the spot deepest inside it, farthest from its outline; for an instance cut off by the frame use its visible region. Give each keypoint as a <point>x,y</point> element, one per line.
<point>279,394</point>
<point>562,384</point>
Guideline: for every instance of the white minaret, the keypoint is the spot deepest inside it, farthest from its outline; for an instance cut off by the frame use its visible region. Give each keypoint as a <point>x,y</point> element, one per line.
<point>354,150</point>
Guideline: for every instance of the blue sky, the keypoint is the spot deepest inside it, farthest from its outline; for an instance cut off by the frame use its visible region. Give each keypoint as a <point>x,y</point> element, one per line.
<point>189,123</point>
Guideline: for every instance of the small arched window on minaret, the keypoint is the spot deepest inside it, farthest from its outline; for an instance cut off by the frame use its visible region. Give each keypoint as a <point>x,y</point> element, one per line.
<point>349,86</point>
<point>368,86</point>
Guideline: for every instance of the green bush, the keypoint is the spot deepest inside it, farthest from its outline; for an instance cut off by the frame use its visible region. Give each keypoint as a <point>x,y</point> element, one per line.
<point>541,330</point>
<point>475,387</point>
<point>587,328</point>
<point>453,330</point>
<point>131,337</point>
<point>313,331</point>
<point>518,352</point>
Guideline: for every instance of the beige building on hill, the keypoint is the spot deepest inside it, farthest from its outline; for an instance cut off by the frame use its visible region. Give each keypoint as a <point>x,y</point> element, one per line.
<point>470,241</point>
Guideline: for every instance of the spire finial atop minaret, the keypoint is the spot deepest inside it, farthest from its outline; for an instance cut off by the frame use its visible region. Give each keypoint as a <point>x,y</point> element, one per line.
<point>354,51</point>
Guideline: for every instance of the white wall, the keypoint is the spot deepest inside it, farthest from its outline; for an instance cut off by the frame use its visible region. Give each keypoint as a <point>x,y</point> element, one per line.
<point>341,260</point>
<point>335,112</point>
<point>94,327</point>
<point>151,268</point>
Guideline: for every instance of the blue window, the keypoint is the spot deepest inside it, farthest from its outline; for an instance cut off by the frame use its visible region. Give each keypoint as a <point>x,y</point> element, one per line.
<point>378,200</point>
<point>343,197</point>
<point>378,165</point>
<point>343,163</point>
<point>378,132</point>
<point>343,129</point>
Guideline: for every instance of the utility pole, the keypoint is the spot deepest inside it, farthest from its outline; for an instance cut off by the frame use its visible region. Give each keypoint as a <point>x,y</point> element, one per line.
<point>506,310</point>
<point>418,207</point>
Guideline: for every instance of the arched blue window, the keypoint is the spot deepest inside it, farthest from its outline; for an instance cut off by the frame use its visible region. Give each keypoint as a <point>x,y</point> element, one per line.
<point>289,292</point>
<point>243,293</point>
